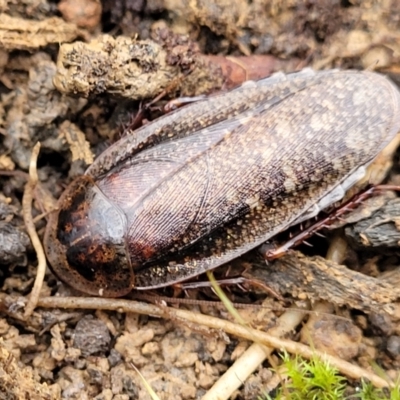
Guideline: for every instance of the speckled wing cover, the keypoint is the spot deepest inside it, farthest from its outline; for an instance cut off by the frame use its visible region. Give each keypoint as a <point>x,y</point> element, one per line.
<point>239,167</point>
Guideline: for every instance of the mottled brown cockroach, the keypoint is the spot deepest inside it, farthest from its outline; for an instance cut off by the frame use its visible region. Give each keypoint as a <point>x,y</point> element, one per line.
<point>210,181</point>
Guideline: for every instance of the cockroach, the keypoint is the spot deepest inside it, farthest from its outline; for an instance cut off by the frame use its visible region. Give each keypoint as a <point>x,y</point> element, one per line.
<point>212,180</point>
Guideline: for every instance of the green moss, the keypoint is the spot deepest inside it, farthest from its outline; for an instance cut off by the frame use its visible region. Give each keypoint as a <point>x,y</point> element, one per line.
<point>315,379</point>
<point>369,392</point>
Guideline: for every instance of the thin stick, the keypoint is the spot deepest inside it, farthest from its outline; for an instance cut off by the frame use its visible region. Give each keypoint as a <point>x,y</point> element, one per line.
<point>120,305</point>
<point>155,299</point>
<point>30,228</point>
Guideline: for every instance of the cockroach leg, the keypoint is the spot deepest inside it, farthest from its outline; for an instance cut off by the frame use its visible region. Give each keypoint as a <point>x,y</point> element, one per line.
<point>273,253</point>
<point>138,119</point>
<point>180,102</point>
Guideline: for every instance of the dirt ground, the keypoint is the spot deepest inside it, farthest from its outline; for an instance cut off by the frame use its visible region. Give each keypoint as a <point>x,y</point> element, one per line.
<point>73,76</point>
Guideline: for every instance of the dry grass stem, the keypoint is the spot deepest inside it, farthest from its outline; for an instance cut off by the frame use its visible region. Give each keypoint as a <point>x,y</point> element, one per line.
<point>31,230</point>
<point>120,305</point>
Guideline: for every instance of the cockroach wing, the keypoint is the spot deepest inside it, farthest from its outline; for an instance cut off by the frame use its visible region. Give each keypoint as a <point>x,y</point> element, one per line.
<point>142,174</point>
<point>190,119</point>
<point>266,169</point>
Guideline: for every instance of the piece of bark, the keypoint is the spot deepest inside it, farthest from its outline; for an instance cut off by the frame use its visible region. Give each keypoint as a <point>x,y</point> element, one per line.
<point>316,278</point>
<point>22,34</point>
<point>380,230</point>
